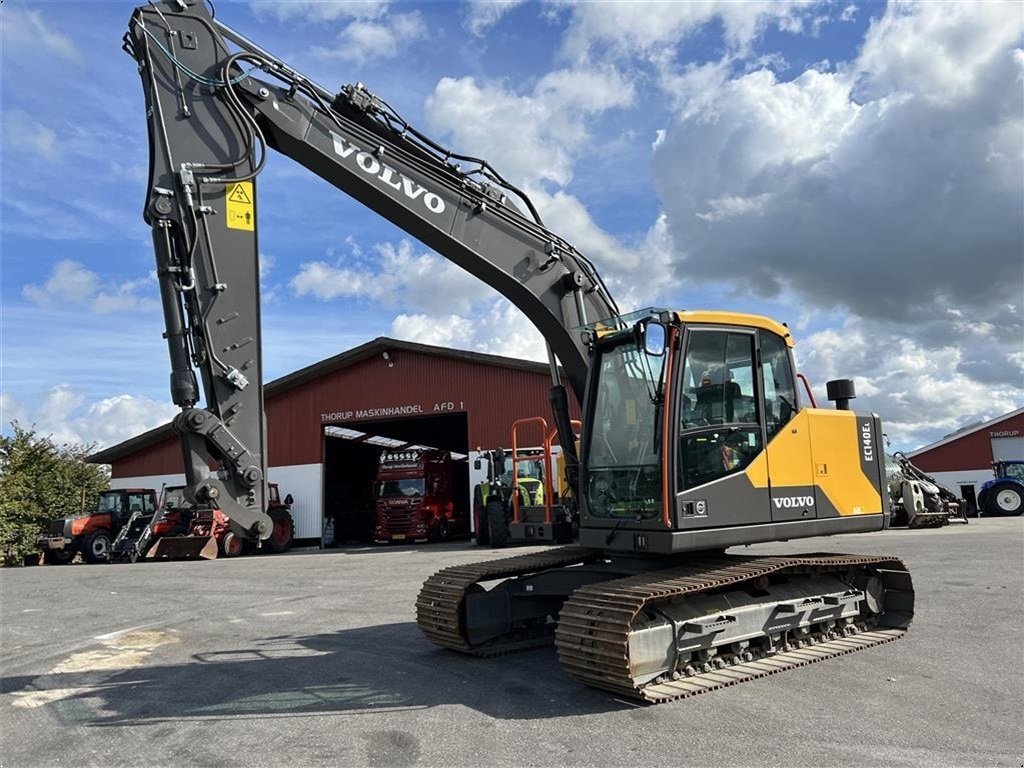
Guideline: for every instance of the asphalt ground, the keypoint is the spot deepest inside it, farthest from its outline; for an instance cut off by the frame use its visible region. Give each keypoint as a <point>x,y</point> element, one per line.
<point>315,659</point>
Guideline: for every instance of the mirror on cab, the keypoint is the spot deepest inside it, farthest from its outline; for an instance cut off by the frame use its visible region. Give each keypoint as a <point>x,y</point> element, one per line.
<point>289,500</point>
<point>653,337</point>
<point>477,464</point>
<point>499,462</point>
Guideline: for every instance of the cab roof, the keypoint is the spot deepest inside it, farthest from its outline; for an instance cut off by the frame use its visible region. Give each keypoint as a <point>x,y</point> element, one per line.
<point>722,317</point>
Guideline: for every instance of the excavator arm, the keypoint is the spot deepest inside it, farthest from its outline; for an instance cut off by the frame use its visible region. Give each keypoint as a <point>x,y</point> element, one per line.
<point>216,103</point>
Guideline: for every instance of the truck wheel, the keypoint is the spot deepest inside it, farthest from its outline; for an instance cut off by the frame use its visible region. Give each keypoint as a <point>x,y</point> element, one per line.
<point>231,545</point>
<point>1004,499</point>
<point>96,547</point>
<point>58,556</point>
<point>284,531</point>
<point>497,524</point>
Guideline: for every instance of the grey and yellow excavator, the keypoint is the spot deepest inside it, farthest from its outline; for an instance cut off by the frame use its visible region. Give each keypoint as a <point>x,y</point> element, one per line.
<point>695,437</point>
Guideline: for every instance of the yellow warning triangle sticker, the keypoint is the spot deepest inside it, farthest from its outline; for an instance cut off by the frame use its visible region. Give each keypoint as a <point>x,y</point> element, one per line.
<point>238,195</point>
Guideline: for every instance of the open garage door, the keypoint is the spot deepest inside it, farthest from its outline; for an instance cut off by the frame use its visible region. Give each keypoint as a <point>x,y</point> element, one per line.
<point>352,451</point>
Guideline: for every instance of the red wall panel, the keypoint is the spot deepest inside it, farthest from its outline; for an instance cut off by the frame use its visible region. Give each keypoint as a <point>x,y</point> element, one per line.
<point>972,451</point>
<point>420,384</point>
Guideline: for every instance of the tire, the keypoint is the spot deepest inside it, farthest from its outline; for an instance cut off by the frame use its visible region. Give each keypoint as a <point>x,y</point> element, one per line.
<point>497,524</point>
<point>58,556</point>
<point>481,531</point>
<point>1004,499</point>
<point>96,547</point>
<point>284,532</point>
<point>231,546</point>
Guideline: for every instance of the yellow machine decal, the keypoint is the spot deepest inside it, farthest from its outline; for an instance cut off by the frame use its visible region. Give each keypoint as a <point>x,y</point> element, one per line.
<point>834,444</point>
<point>238,205</point>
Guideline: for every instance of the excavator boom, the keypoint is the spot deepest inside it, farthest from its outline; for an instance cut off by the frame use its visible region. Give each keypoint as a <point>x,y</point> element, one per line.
<point>216,104</point>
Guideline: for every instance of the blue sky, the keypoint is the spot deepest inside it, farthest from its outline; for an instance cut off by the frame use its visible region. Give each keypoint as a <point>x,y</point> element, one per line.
<point>853,169</point>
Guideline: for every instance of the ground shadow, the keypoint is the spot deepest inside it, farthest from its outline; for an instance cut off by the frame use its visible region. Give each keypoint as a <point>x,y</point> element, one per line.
<point>349,672</point>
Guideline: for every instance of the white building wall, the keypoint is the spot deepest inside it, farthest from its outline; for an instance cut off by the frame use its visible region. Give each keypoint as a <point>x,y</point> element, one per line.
<point>303,481</point>
<point>1008,448</point>
<point>953,480</point>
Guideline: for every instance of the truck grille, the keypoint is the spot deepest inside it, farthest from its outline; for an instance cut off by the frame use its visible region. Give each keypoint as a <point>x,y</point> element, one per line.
<point>401,520</point>
<point>56,528</point>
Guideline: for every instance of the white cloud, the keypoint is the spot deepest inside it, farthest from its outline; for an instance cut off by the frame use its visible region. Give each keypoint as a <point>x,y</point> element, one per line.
<point>532,137</point>
<point>618,28</point>
<point>919,391</point>
<point>481,15</point>
<point>944,52</point>
<point>70,283</point>
<point>68,416</point>
<point>319,11</point>
<point>400,277</point>
<point>26,30</point>
<point>377,39</point>
<point>22,132</point>
<point>498,329</point>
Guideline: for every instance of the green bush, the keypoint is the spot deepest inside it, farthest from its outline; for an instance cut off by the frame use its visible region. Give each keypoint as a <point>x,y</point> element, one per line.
<point>40,481</point>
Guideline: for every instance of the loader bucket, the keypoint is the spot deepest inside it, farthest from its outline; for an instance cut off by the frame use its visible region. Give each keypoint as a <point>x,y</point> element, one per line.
<point>184,548</point>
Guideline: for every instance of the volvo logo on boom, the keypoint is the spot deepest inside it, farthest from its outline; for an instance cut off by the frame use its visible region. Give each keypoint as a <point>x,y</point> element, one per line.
<point>793,502</point>
<point>371,166</point>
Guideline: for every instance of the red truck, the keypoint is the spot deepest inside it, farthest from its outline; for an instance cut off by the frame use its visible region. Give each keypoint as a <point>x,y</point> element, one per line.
<point>417,496</point>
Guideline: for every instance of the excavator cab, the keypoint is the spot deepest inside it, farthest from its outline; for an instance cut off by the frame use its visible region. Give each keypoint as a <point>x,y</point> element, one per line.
<point>695,439</point>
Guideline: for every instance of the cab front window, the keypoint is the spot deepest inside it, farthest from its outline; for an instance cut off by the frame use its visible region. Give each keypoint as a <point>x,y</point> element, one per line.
<point>623,463</point>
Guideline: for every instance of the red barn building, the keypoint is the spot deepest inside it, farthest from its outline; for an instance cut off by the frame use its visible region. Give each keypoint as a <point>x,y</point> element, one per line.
<point>328,423</point>
<point>963,460</point>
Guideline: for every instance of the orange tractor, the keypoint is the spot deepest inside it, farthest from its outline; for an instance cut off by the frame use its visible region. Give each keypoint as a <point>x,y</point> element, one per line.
<point>180,531</point>
<point>93,534</point>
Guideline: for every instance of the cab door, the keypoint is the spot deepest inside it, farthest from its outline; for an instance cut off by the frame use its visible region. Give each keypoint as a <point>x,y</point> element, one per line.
<point>720,430</point>
<point>787,434</point>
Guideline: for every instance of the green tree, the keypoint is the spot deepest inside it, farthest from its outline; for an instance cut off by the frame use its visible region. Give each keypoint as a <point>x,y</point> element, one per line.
<point>41,480</point>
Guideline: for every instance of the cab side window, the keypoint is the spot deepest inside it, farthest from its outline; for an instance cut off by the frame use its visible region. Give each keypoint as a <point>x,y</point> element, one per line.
<point>719,425</point>
<point>779,383</point>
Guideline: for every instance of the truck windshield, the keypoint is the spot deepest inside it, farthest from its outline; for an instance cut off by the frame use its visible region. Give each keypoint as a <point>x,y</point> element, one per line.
<point>410,487</point>
<point>623,467</point>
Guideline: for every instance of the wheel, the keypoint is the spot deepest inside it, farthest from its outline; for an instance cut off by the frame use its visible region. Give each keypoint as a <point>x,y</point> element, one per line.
<point>480,519</point>
<point>1004,499</point>
<point>284,531</point>
<point>58,556</point>
<point>96,547</point>
<point>231,545</point>
<point>497,524</point>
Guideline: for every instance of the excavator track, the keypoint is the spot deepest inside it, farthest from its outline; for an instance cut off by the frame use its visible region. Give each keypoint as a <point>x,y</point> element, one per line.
<point>439,606</point>
<point>595,624</point>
